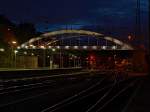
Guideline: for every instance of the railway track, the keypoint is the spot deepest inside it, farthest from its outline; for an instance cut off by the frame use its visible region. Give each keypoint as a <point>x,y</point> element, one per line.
<point>46,85</point>
<point>94,99</point>
<point>97,96</point>
<point>13,85</point>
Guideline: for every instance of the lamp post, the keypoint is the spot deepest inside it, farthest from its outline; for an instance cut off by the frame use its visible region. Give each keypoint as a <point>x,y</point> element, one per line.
<point>44,55</point>
<point>53,57</point>
<point>15,56</point>
<point>13,45</point>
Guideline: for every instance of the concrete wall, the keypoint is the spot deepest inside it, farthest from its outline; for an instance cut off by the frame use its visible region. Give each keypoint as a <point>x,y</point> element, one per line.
<point>26,62</point>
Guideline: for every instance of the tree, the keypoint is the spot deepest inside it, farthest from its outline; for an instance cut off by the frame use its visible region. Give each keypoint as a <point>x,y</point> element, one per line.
<point>6,31</point>
<point>25,31</point>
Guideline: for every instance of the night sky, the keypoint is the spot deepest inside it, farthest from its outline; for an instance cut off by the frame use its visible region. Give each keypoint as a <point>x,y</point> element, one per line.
<point>118,15</point>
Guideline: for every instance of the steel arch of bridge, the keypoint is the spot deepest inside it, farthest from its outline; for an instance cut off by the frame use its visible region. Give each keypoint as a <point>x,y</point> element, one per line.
<point>124,46</point>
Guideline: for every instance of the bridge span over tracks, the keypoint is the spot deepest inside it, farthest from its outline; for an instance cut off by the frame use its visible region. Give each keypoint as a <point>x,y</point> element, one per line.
<point>75,48</point>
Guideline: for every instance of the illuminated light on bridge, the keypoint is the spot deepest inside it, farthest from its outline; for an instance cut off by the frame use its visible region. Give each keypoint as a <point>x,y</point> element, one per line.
<point>25,53</point>
<point>14,42</point>
<point>104,47</point>
<point>85,47</point>
<point>67,47</point>
<point>34,47</point>
<point>31,45</point>
<point>114,47</point>
<point>18,47</point>
<point>42,47</point>
<point>76,47</point>
<point>26,47</point>
<point>32,54</point>
<point>2,50</point>
<point>22,46</point>
<point>53,50</point>
<point>49,47</point>
<point>58,47</point>
<point>15,51</point>
<point>94,47</point>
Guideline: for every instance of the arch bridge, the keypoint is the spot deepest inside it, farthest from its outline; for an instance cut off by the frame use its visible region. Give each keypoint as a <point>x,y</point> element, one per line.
<point>61,48</point>
<point>77,40</point>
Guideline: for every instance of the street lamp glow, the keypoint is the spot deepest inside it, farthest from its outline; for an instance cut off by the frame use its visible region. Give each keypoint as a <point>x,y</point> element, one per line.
<point>18,47</point>
<point>33,47</point>
<point>53,50</point>
<point>32,54</point>
<point>2,50</point>
<point>76,47</point>
<point>84,47</point>
<point>26,47</point>
<point>104,47</point>
<point>25,53</point>
<point>66,47</point>
<point>58,47</point>
<point>94,47</point>
<point>14,42</point>
<point>42,47</point>
<point>15,51</point>
<point>114,47</point>
<point>49,47</point>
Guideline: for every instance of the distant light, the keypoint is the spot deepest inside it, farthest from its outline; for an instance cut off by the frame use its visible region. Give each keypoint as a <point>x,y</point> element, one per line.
<point>15,51</point>
<point>92,57</point>
<point>66,47</point>
<point>58,47</point>
<point>33,47</point>
<point>26,47</point>
<point>53,50</point>
<point>25,53</point>
<point>23,45</point>
<point>76,47</point>
<point>42,47</point>
<point>14,42</point>
<point>47,56</point>
<point>2,50</point>
<point>18,47</point>
<point>130,38</point>
<point>114,47</point>
<point>32,54</point>
<point>84,47</point>
<point>104,47</point>
<point>75,57</point>
<point>94,47</point>
<point>49,47</point>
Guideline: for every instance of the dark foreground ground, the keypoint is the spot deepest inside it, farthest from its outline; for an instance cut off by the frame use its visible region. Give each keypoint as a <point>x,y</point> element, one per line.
<point>140,101</point>
<point>84,92</point>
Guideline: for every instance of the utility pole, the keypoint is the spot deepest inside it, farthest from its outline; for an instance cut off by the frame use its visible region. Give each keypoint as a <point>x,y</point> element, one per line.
<point>138,22</point>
